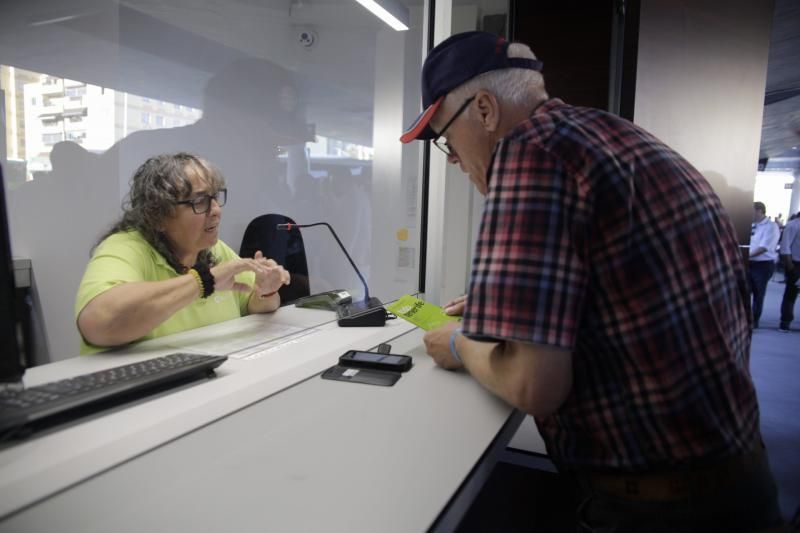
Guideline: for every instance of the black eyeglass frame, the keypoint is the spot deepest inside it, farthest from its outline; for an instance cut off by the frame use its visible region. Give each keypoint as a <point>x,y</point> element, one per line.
<point>445,146</point>
<point>221,196</point>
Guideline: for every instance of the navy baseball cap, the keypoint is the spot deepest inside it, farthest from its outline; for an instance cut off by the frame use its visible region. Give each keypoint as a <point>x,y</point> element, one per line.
<point>456,60</point>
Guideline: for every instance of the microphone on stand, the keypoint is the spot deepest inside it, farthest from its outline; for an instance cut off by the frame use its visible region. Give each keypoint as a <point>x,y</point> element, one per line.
<point>369,311</point>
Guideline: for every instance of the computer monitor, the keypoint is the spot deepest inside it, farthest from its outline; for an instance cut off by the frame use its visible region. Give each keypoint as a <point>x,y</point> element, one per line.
<point>12,362</point>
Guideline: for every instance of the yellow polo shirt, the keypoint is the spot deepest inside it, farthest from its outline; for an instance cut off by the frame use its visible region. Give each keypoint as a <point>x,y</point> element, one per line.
<point>126,257</point>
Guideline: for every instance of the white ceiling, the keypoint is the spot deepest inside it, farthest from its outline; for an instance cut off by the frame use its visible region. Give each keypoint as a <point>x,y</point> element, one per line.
<point>170,49</point>
<point>781,129</point>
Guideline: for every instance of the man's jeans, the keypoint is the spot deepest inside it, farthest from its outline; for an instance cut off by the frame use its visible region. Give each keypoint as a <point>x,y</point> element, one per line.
<point>790,295</point>
<point>758,274</point>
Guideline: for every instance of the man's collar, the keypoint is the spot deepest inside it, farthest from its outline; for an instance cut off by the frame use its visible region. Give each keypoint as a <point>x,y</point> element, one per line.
<point>541,110</point>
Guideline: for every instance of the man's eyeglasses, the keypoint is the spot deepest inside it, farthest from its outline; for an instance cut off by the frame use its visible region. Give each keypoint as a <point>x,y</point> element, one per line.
<point>440,142</point>
<point>202,204</point>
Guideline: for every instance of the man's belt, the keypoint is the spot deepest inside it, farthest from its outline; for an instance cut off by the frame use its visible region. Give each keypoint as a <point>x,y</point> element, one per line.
<point>675,485</point>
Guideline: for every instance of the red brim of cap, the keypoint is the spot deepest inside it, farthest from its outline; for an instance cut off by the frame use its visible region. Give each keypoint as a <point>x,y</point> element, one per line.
<point>417,131</point>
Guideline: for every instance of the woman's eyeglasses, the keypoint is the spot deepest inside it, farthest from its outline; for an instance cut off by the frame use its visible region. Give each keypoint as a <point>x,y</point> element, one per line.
<point>202,204</point>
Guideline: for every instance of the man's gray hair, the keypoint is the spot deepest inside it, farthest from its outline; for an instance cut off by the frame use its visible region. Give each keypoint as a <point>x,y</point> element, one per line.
<point>155,187</point>
<point>514,86</point>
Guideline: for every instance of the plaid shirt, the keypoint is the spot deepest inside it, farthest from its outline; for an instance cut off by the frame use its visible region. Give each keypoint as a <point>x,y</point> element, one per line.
<point>598,238</point>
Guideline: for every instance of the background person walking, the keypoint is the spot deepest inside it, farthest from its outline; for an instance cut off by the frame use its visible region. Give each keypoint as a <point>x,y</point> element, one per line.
<point>763,254</point>
<point>790,257</point>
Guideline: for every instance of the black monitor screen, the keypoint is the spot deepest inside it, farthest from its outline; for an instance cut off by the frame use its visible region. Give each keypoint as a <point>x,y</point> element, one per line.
<point>11,362</point>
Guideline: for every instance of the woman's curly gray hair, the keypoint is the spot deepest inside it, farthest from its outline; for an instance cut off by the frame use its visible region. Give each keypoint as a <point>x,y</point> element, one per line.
<point>155,187</point>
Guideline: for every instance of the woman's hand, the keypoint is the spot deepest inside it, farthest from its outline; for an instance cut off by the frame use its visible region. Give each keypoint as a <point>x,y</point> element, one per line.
<point>270,276</point>
<point>225,274</point>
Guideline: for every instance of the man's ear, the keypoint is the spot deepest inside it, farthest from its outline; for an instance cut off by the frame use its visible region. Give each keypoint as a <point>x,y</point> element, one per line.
<point>488,110</point>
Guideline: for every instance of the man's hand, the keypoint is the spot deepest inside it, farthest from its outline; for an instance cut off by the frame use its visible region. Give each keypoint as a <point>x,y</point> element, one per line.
<point>437,344</point>
<point>455,307</point>
<point>534,378</point>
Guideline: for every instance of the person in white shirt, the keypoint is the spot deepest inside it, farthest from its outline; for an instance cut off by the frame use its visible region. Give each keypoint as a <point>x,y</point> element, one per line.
<point>763,254</point>
<point>790,256</point>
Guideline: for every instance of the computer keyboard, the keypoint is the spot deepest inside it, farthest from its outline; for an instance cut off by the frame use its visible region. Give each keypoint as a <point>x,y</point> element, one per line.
<point>72,397</point>
<point>362,313</point>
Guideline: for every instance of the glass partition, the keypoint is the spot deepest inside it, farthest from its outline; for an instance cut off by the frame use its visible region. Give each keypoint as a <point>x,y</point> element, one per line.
<point>299,103</point>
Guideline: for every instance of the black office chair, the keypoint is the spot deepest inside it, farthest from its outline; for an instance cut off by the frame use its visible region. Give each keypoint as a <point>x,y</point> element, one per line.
<point>285,247</point>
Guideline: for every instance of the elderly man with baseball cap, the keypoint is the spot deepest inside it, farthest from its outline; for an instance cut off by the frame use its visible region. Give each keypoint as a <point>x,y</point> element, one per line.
<point>607,298</point>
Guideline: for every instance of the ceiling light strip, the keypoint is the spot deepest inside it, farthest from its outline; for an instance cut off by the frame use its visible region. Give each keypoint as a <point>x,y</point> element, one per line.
<point>382,13</point>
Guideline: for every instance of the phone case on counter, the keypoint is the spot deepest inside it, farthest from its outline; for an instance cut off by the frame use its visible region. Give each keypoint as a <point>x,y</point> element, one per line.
<point>361,375</point>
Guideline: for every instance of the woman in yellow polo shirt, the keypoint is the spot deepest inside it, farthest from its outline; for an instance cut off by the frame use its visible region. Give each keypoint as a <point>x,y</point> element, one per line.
<point>162,269</point>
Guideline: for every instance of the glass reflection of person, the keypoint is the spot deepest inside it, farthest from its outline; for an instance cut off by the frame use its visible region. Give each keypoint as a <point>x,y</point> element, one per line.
<point>250,108</point>
<point>162,269</point>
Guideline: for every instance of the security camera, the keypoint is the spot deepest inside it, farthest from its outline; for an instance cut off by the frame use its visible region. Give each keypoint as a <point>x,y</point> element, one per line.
<point>307,38</point>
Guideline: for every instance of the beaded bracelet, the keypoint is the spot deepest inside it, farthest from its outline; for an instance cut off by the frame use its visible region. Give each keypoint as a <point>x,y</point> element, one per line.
<point>453,350</point>
<point>199,281</point>
<point>206,277</point>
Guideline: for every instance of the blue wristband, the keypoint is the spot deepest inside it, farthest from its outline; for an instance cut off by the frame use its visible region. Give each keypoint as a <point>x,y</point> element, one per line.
<point>453,350</point>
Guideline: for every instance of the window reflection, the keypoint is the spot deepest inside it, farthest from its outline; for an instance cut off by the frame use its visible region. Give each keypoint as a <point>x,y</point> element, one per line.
<point>305,132</point>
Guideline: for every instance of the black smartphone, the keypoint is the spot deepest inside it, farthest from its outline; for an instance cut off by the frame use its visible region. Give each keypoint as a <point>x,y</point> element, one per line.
<point>375,361</point>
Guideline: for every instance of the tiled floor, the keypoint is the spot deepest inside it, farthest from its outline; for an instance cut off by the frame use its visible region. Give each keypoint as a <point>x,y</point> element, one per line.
<point>775,365</point>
